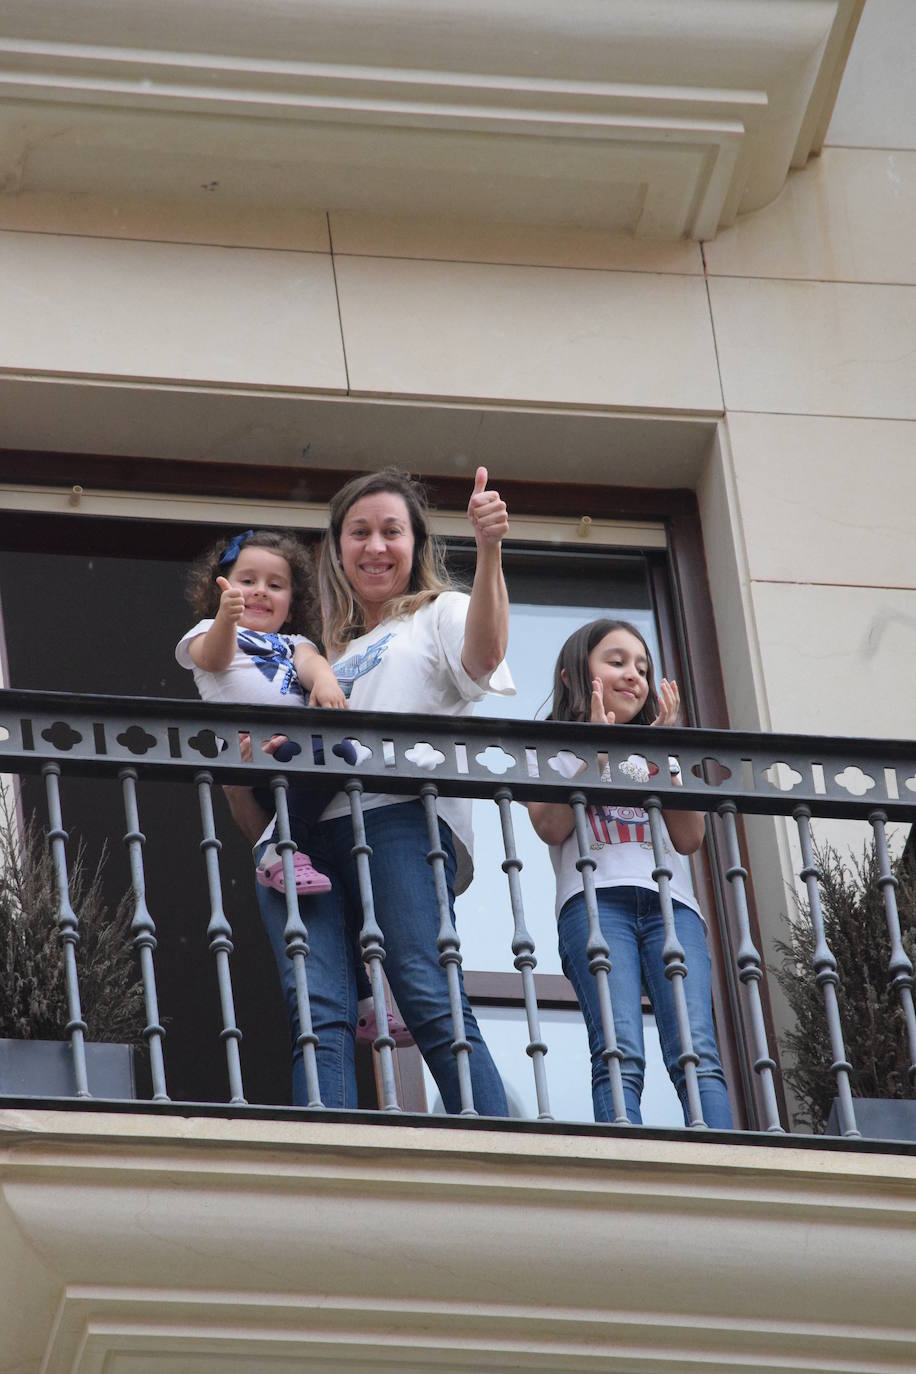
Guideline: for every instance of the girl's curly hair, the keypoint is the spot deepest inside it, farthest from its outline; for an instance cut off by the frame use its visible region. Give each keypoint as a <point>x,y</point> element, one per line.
<point>304,614</point>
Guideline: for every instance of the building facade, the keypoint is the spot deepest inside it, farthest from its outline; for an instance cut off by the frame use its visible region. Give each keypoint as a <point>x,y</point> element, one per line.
<point>652,266</point>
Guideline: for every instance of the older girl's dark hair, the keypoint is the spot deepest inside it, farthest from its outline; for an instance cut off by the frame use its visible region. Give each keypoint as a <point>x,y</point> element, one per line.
<point>343,615</point>
<point>203,594</point>
<point>572,695</point>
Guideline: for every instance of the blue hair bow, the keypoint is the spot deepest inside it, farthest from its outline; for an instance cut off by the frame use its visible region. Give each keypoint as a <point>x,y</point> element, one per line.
<point>232,550</point>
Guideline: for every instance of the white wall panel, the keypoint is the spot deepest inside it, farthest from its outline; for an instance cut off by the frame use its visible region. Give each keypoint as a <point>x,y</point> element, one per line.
<point>838,660</point>
<point>545,335</point>
<point>850,215</point>
<point>826,500</point>
<point>816,347</point>
<point>876,106</point>
<point>173,312</point>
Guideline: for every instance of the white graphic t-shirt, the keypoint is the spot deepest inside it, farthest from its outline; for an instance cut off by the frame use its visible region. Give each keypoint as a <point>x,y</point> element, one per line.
<point>413,664</point>
<point>262,671</point>
<point>619,842</point>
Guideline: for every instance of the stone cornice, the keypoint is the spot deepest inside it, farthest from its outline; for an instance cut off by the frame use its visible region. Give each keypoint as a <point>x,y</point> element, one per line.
<point>662,120</point>
<point>148,1240</point>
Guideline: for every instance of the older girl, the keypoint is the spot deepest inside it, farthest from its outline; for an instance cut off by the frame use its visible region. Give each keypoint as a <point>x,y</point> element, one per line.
<point>604,674</point>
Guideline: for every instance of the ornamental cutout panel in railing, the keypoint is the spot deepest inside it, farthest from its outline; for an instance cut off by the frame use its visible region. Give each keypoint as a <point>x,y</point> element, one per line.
<point>726,773</point>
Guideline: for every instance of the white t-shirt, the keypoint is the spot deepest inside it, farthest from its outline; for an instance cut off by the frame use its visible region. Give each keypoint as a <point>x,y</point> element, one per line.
<point>619,843</point>
<point>262,671</point>
<point>413,664</point>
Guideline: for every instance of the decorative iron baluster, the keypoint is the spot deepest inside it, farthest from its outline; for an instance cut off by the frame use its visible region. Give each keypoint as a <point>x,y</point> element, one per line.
<point>675,967</point>
<point>449,947</point>
<point>372,944</point>
<point>750,969</point>
<point>825,975</point>
<point>899,966</point>
<point>143,929</point>
<point>295,936</point>
<point>67,929</point>
<point>219,932</point>
<point>599,960</point>
<point>523,949</point>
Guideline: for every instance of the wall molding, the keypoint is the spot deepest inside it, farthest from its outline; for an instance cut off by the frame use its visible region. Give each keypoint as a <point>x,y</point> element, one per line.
<point>661,121</point>
<point>237,1241</point>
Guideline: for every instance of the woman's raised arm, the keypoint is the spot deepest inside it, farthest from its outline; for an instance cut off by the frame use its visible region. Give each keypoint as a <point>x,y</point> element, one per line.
<point>486,634</point>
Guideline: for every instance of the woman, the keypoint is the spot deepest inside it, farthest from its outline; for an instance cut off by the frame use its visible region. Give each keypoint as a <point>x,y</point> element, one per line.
<point>401,640</point>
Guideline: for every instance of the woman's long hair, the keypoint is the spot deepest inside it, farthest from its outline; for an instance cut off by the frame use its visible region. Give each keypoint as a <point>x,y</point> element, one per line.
<point>572,694</point>
<point>343,615</point>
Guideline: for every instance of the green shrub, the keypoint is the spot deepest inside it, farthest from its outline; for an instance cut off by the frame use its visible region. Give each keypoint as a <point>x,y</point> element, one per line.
<point>33,994</point>
<point>874,1028</point>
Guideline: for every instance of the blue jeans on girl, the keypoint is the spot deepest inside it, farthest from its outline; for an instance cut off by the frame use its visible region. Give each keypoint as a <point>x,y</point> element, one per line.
<point>631,923</point>
<point>408,914</point>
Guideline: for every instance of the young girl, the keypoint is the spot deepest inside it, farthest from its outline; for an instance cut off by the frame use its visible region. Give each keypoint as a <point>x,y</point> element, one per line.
<point>257,597</point>
<point>604,674</point>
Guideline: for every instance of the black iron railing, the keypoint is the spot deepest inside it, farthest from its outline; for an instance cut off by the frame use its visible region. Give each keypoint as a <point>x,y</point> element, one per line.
<point>722,772</point>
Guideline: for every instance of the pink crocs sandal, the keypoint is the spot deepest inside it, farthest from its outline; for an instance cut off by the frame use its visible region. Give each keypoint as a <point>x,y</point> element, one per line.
<point>309,882</point>
<point>367,1029</point>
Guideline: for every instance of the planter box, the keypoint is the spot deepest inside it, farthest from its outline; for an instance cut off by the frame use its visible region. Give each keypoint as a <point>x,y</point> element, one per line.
<point>44,1068</point>
<point>879,1118</point>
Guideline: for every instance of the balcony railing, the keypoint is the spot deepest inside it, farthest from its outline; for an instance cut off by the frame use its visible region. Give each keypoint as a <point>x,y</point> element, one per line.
<point>728,774</point>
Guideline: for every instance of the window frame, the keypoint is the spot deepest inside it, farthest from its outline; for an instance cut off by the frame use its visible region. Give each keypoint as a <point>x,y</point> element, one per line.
<point>680,591</point>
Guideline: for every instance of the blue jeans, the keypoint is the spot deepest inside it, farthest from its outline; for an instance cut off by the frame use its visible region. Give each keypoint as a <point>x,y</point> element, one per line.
<point>631,923</point>
<point>407,912</point>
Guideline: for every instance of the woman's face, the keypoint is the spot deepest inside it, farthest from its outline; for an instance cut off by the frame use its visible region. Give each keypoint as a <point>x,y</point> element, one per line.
<point>619,662</point>
<point>376,551</point>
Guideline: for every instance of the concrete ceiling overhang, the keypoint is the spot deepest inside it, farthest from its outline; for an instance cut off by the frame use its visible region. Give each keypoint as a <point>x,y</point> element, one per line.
<point>660,118</point>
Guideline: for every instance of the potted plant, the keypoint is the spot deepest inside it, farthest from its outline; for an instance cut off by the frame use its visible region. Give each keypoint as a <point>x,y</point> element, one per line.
<point>872,1018</point>
<point>35,1056</point>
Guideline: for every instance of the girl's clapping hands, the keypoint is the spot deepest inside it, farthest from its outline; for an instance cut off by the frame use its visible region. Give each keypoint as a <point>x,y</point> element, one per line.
<point>669,703</point>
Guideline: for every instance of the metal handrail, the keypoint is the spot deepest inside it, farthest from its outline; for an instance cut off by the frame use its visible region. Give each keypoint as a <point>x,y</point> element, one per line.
<point>99,735</point>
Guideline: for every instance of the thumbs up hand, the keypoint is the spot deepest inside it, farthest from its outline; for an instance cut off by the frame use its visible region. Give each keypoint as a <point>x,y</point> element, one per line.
<point>487,513</point>
<point>231,602</point>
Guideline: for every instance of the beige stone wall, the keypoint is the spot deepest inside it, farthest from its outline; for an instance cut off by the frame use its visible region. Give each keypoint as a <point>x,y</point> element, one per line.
<point>813,303</point>
<point>809,500</point>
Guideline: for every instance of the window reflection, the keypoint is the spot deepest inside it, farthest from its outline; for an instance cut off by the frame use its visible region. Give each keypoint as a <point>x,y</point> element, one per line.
<point>568,1067</point>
